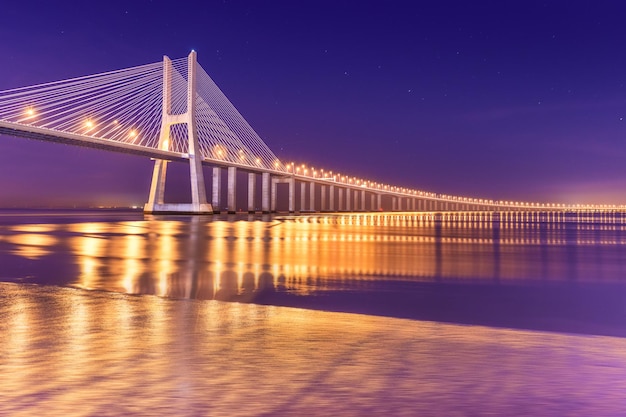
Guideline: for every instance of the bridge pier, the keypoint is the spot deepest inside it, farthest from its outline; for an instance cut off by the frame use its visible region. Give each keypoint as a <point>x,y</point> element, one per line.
<point>362,200</point>
<point>302,196</point>
<point>251,192</point>
<point>331,198</point>
<point>157,187</point>
<point>232,190</point>
<point>292,194</point>
<point>323,198</point>
<point>312,196</point>
<point>265,193</point>
<point>340,192</point>
<point>274,190</point>
<point>216,199</point>
<point>348,202</point>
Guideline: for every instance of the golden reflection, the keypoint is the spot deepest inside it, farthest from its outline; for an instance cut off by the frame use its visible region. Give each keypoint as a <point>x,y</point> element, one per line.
<point>32,246</point>
<point>90,250</point>
<point>211,258</point>
<point>66,352</point>
<point>33,228</point>
<point>89,228</point>
<point>16,338</point>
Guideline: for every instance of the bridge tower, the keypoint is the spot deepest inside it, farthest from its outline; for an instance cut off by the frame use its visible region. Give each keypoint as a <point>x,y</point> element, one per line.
<point>199,204</point>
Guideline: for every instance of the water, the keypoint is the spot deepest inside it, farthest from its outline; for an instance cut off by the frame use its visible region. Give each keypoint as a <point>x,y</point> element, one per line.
<point>114,313</point>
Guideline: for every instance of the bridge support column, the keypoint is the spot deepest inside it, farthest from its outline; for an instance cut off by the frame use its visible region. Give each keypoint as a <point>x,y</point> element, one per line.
<point>216,192</point>
<point>157,188</point>
<point>322,198</point>
<point>199,203</point>
<point>394,203</point>
<point>232,190</point>
<point>265,192</point>
<point>302,196</point>
<point>348,202</point>
<point>292,195</point>
<point>331,198</point>
<point>251,192</point>
<point>312,196</point>
<point>273,198</point>
<point>362,208</point>
<point>379,202</point>
<point>373,202</point>
<point>340,192</point>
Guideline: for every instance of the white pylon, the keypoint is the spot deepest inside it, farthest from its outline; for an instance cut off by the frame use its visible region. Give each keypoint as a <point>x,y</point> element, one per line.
<point>199,202</point>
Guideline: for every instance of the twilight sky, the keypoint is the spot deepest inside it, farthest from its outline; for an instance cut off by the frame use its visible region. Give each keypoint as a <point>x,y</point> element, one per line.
<point>521,100</point>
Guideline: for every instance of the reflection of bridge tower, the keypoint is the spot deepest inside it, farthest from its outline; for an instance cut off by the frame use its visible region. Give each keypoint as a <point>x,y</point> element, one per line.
<point>157,189</point>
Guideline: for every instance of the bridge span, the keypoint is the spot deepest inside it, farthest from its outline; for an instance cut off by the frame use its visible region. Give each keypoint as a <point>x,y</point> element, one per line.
<point>172,111</point>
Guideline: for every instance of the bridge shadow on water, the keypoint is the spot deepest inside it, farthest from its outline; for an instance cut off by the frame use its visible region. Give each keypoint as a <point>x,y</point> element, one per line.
<point>564,275</point>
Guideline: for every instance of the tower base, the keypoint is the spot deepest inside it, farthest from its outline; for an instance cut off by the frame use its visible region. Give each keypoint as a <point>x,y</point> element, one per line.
<point>177,208</point>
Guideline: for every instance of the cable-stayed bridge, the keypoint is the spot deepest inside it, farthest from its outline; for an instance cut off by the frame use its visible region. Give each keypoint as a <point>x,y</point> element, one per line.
<point>173,111</point>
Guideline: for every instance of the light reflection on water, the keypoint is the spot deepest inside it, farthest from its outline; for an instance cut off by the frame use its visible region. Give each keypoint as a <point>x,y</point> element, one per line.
<point>75,353</point>
<point>564,274</point>
<point>67,351</point>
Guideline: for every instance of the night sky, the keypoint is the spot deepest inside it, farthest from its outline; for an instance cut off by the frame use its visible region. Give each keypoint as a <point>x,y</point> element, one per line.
<point>506,100</point>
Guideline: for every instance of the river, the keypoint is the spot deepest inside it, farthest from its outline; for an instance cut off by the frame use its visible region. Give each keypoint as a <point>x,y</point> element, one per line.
<point>430,314</point>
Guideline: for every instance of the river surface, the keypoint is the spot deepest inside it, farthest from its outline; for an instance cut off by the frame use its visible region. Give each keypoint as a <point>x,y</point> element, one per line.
<point>106,313</point>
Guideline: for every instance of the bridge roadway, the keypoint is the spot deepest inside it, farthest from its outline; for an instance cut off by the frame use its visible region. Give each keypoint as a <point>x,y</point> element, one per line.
<point>334,196</point>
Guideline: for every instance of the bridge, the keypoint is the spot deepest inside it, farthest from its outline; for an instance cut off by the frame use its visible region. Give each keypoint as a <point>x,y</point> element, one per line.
<point>172,111</point>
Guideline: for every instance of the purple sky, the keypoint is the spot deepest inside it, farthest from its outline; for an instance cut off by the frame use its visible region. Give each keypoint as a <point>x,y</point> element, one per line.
<point>503,100</point>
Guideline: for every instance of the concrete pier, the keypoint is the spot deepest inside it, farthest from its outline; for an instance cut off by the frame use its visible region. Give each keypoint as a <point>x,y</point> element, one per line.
<point>265,193</point>
<point>312,196</point>
<point>340,192</point>
<point>216,197</point>
<point>251,192</point>
<point>302,196</point>
<point>362,200</point>
<point>232,190</point>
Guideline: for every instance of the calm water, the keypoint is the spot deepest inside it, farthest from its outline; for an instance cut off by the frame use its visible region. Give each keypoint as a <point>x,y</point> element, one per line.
<point>111,313</point>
